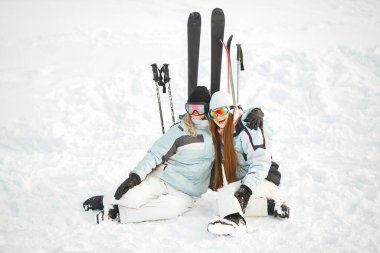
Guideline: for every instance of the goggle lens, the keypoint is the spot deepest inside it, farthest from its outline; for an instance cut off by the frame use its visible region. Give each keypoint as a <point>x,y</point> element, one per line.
<point>219,111</point>
<point>198,108</point>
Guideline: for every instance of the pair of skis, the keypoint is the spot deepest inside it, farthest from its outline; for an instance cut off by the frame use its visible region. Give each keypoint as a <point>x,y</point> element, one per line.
<point>159,81</point>
<point>193,40</point>
<point>217,33</point>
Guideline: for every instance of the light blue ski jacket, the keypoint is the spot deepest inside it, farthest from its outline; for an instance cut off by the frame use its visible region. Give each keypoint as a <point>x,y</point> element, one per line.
<point>253,153</point>
<point>187,160</point>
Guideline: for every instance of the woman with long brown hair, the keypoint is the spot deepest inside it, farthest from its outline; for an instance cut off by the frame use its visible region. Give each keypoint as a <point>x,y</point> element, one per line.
<point>245,176</point>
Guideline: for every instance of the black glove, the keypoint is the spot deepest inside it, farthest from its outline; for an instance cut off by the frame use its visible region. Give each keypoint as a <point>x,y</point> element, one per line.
<point>128,184</point>
<point>243,195</point>
<point>255,119</point>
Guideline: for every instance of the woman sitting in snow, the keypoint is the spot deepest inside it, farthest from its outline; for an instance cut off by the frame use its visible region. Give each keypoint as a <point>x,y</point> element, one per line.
<point>175,170</point>
<point>243,158</point>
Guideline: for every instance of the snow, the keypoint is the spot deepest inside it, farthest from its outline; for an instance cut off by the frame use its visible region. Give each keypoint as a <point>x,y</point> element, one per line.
<point>78,109</point>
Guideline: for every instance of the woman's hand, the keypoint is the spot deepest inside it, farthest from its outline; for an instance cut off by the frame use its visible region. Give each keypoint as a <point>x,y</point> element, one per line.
<point>128,184</point>
<point>238,112</point>
<point>255,119</point>
<point>243,194</point>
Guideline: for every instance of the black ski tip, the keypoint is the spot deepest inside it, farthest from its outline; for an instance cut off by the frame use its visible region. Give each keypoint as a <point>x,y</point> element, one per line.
<point>194,18</point>
<point>217,11</point>
<point>217,15</point>
<point>195,15</point>
<point>229,42</point>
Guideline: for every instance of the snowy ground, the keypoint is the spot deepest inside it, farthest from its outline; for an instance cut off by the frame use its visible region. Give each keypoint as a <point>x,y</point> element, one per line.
<point>78,109</point>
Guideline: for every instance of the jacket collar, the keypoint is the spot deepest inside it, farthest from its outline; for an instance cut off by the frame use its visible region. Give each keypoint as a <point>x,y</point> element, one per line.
<point>201,124</point>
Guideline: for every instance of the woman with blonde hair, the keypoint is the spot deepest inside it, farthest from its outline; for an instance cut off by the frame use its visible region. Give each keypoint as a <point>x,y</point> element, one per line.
<point>172,175</point>
<point>244,174</point>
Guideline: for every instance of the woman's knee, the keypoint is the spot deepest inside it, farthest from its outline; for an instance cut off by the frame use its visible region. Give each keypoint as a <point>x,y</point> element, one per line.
<point>133,199</point>
<point>179,206</point>
<point>266,189</point>
<point>149,189</point>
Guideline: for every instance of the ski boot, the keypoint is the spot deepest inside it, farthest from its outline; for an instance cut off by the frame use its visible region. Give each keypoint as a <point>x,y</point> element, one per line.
<point>94,203</point>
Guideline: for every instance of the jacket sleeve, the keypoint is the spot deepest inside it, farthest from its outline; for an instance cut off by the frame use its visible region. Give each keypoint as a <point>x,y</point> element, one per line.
<point>256,144</point>
<point>159,153</point>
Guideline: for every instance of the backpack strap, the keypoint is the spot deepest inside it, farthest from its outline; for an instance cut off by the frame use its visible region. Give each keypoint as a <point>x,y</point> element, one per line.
<point>274,174</point>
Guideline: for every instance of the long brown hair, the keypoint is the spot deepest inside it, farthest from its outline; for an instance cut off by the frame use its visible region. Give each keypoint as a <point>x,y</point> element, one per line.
<point>229,153</point>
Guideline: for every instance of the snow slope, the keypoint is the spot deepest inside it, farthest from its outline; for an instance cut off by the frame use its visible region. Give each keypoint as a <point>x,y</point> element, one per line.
<point>78,110</point>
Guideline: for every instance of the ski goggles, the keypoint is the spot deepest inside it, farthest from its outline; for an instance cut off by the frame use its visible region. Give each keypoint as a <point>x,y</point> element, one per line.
<point>219,111</point>
<point>200,108</point>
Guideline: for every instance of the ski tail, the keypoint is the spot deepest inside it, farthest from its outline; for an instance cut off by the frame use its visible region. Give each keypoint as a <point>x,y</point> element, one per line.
<point>193,41</point>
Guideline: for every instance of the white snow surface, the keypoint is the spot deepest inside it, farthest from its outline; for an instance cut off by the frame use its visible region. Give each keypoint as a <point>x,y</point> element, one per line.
<point>78,110</point>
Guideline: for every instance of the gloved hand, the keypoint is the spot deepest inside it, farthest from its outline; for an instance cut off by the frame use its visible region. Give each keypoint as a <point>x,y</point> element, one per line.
<point>243,194</point>
<point>255,119</point>
<point>128,184</point>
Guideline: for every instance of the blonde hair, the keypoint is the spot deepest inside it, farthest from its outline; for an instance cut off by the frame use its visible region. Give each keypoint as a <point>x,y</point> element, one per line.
<point>190,125</point>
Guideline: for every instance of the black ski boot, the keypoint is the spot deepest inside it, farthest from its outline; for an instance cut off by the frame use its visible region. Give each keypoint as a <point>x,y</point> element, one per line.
<point>108,215</point>
<point>236,218</point>
<point>94,203</point>
<point>233,224</point>
<point>278,209</point>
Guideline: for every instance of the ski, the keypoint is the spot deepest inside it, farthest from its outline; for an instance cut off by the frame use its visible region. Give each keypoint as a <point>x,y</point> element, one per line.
<point>217,34</point>
<point>230,76</point>
<point>230,82</point>
<point>193,40</point>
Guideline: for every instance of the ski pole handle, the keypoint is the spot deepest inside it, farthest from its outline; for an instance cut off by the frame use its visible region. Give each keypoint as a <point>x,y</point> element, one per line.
<point>160,81</point>
<point>238,47</point>
<point>239,56</point>
<point>166,73</point>
<point>155,72</point>
<point>165,69</point>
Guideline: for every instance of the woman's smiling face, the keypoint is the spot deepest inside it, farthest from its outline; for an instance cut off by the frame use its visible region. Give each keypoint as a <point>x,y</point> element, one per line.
<point>221,120</point>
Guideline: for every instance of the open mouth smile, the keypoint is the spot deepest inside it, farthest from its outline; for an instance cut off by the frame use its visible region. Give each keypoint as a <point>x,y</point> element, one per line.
<point>221,121</point>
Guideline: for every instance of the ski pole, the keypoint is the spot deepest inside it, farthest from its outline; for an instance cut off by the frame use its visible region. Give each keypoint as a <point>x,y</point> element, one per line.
<point>225,182</point>
<point>156,80</point>
<point>167,80</point>
<point>240,66</point>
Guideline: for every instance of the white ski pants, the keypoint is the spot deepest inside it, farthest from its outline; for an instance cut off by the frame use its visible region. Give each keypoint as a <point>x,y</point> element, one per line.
<point>257,204</point>
<point>151,200</point>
